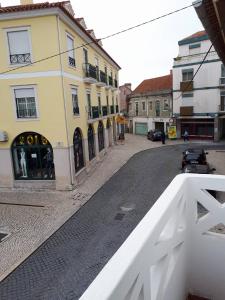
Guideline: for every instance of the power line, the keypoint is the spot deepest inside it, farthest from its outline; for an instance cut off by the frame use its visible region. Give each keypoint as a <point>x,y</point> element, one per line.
<point>106,37</point>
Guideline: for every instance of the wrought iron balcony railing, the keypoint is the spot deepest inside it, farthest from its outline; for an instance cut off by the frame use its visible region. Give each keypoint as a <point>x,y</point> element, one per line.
<point>20,58</point>
<point>90,71</point>
<point>95,112</point>
<point>112,109</point>
<point>104,110</point>
<point>103,77</point>
<point>177,248</point>
<point>72,62</point>
<point>110,80</point>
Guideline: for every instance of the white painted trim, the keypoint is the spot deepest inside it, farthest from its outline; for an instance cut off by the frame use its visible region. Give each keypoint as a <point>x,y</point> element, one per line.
<point>16,87</point>
<point>56,73</point>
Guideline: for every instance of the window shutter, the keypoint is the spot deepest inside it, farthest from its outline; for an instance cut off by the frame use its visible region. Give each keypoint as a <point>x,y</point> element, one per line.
<point>24,93</point>
<point>18,42</point>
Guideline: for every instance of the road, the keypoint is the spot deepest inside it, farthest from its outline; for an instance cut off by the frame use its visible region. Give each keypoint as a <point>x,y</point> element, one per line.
<point>64,266</point>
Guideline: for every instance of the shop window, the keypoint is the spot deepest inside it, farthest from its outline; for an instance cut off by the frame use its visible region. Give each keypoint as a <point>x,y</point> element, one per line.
<point>32,157</point>
<point>78,150</point>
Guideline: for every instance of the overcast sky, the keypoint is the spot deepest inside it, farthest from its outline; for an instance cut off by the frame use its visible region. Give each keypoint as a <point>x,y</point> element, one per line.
<point>144,52</point>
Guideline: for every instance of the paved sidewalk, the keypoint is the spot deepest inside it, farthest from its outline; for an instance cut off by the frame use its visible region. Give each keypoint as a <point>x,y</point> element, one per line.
<point>40,214</point>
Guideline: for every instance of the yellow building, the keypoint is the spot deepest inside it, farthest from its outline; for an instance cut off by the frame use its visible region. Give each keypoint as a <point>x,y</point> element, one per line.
<point>58,112</point>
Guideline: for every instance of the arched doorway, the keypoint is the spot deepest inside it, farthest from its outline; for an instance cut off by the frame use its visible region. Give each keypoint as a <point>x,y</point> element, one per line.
<point>91,142</point>
<point>32,157</point>
<point>109,128</point>
<point>78,150</point>
<point>100,136</point>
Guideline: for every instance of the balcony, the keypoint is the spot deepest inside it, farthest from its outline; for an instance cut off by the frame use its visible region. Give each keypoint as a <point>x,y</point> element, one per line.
<point>104,110</point>
<point>20,58</point>
<point>112,109</point>
<point>222,82</point>
<point>186,86</point>
<point>90,73</point>
<point>174,251</point>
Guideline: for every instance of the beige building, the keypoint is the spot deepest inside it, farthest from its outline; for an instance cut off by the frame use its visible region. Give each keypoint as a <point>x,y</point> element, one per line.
<point>150,105</point>
<point>58,112</point>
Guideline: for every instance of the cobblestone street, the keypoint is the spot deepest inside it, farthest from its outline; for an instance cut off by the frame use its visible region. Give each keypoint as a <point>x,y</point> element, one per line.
<point>69,260</point>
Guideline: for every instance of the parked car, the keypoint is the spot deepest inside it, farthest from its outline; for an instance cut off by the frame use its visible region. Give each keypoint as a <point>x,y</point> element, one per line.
<point>193,157</point>
<point>154,135</point>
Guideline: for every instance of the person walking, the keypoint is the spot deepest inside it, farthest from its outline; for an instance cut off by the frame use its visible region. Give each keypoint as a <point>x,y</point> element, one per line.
<point>163,137</point>
<point>186,138</point>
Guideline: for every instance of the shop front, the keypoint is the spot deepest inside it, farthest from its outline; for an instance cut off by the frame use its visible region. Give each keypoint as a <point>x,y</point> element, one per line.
<point>198,128</point>
<point>32,157</point>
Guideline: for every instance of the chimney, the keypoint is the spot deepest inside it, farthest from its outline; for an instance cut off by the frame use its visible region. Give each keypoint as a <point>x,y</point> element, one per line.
<point>25,2</point>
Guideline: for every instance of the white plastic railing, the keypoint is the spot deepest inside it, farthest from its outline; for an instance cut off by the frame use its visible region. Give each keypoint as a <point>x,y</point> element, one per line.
<point>171,252</point>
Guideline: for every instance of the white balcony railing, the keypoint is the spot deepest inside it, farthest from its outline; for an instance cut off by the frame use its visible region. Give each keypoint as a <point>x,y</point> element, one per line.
<point>172,251</point>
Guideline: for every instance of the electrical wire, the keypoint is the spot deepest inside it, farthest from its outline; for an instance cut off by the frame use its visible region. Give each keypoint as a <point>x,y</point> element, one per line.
<point>106,37</point>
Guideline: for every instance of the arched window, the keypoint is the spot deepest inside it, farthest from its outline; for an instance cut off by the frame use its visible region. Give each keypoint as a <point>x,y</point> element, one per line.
<point>78,150</point>
<point>32,157</point>
<point>100,136</point>
<point>91,142</point>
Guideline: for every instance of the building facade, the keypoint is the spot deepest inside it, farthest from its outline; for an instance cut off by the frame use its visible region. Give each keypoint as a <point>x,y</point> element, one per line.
<point>198,104</point>
<point>124,95</point>
<point>58,112</point>
<point>150,105</point>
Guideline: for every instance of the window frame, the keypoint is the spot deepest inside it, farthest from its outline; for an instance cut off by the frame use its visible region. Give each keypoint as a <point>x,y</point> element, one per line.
<point>68,35</point>
<point>143,106</point>
<point>168,102</point>
<point>13,29</point>
<point>76,89</point>
<point>187,71</point>
<point>19,87</point>
<point>150,105</point>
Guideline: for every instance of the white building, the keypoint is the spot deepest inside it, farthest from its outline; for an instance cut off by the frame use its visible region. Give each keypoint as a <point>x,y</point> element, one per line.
<point>198,105</point>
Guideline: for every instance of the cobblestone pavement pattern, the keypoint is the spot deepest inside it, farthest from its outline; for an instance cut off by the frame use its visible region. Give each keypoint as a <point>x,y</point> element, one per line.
<point>64,266</point>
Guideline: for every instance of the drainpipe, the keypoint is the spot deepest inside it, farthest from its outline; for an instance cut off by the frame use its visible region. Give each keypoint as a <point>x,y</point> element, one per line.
<point>64,102</point>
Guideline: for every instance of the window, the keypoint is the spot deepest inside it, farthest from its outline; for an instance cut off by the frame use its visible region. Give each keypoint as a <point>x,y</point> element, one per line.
<point>85,54</point>
<point>187,74</point>
<point>166,104</point>
<point>143,105</point>
<point>75,104</point>
<point>19,46</point>
<point>222,101</point>
<point>99,104</point>
<point>107,103</point>
<point>187,95</point>
<point>32,157</point>
<point>136,108</point>
<point>194,48</point>
<point>70,47</point>
<point>89,104</point>
<point>25,103</point>
<point>150,105</point>
<point>222,71</point>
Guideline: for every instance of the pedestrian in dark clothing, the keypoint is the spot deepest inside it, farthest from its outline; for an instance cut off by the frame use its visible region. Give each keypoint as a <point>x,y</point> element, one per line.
<point>163,137</point>
<point>186,138</point>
